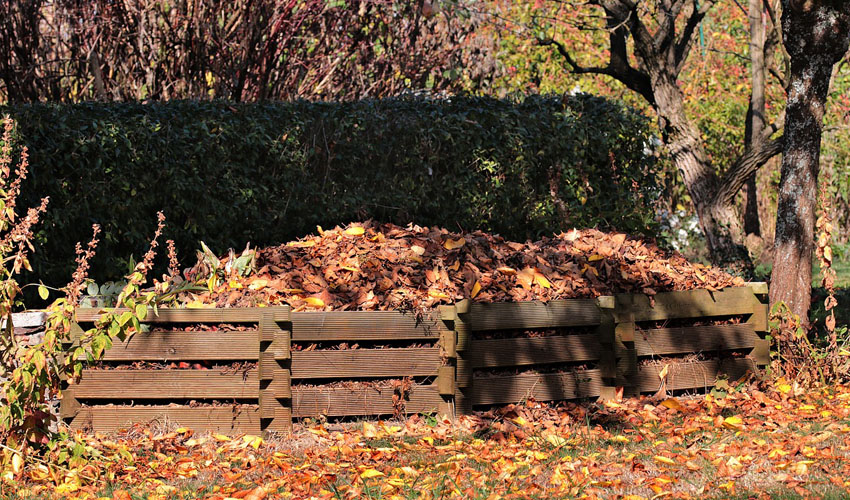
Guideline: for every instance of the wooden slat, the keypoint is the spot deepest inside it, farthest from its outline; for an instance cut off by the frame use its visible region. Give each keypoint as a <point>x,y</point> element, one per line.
<point>366,363</point>
<point>363,325</point>
<point>696,339</point>
<point>167,315</point>
<point>177,346</point>
<point>341,401</point>
<point>227,420</point>
<point>694,304</point>
<point>166,384</point>
<point>532,315</point>
<point>534,351</point>
<point>543,387</point>
<point>696,375</point>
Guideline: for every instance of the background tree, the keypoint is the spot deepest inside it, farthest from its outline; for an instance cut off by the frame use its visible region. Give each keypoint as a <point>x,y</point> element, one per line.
<point>242,50</point>
<point>648,47</point>
<point>817,34</point>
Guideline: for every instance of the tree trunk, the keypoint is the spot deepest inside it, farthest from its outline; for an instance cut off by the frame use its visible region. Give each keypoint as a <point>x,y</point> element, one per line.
<point>816,37</point>
<point>756,112</point>
<point>719,219</point>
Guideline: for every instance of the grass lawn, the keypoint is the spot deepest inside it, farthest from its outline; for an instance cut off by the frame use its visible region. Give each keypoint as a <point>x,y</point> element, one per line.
<point>760,441</point>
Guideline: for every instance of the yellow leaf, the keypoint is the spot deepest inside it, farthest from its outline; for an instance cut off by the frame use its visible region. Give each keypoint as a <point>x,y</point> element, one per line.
<point>234,284</point>
<point>808,408</point>
<point>541,280</point>
<point>555,440</point>
<point>521,421</point>
<point>455,266</point>
<point>220,437</point>
<point>437,294</point>
<point>369,473</point>
<point>476,289</point>
<point>398,483</point>
<point>620,439</point>
<point>734,423</point>
<point>258,284</point>
<point>17,463</point>
<point>301,244</point>
<point>664,460</point>
<point>672,403</point>
<point>784,388</point>
<point>314,302</point>
<point>355,231</point>
<point>595,257</point>
<point>369,430</point>
<point>409,471</point>
<point>663,373</point>
<point>253,441</point>
<point>417,249</point>
<point>451,244</point>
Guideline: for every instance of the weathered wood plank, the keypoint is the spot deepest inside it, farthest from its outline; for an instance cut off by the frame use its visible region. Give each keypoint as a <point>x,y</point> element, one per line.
<point>341,401</point>
<point>174,315</point>
<point>534,351</point>
<point>696,339</point>
<point>693,304</point>
<point>166,384</point>
<point>533,315</point>
<point>542,387</point>
<point>363,325</point>
<point>228,420</point>
<point>696,375</point>
<point>179,346</point>
<point>366,363</point>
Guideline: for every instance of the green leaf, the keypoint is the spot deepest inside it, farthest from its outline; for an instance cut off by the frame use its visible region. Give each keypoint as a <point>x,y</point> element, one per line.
<point>43,292</point>
<point>92,289</point>
<point>141,311</point>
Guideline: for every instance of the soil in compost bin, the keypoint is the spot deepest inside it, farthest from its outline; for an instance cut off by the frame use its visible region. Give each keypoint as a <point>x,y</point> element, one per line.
<point>689,322</point>
<point>543,369</point>
<point>204,327</point>
<point>530,334</point>
<point>221,366</point>
<point>372,266</point>
<point>352,346</point>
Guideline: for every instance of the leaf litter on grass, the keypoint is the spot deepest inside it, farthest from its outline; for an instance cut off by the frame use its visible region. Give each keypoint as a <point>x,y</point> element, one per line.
<point>758,440</point>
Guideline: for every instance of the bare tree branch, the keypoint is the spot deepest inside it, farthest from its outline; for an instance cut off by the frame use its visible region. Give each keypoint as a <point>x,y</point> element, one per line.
<point>746,165</point>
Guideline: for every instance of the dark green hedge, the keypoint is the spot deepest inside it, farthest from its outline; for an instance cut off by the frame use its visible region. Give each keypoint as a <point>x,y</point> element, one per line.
<point>267,173</point>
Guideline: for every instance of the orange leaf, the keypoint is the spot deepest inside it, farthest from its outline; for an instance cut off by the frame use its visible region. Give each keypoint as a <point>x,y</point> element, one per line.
<point>451,244</point>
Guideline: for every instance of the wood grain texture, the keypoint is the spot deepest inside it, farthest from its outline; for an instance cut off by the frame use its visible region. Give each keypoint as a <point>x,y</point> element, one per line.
<point>341,401</point>
<point>533,315</point>
<point>542,387</point>
<point>226,420</point>
<point>692,304</point>
<point>696,375</point>
<point>188,346</point>
<point>363,325</point>
<point>168,315</point>
<point>166,384</point>
<point>534,351</point>
<point>694,339</point>
<point>366,363</point>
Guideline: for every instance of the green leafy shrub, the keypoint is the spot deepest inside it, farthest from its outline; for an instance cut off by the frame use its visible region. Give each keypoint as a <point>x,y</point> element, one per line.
<point>267,172</point>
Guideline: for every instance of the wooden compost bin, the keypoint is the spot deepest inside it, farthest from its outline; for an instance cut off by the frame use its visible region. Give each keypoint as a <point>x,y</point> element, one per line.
<point>441,352</point>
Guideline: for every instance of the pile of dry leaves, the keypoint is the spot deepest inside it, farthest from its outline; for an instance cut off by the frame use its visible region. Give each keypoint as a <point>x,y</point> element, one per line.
<point>373,266</point>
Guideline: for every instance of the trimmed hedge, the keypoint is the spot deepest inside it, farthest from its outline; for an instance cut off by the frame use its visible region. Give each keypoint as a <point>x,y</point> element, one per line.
<point>268,172</point>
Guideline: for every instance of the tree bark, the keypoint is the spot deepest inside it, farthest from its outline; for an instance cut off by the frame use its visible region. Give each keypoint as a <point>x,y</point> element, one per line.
<point>652,70</point>
<point>816,36</point>
<point>756,112</point>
